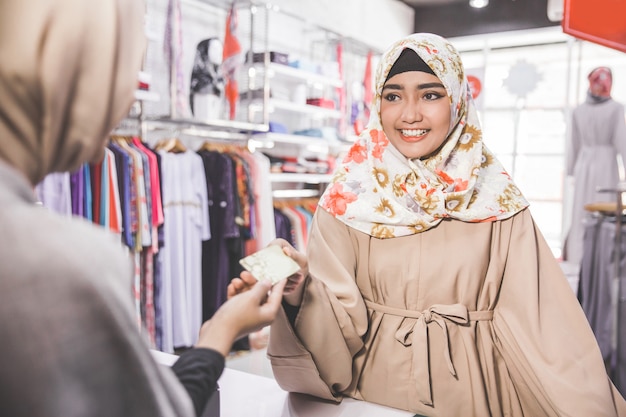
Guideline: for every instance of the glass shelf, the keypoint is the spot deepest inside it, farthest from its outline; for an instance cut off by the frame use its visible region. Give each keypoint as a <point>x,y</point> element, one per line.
<point>286,72</point>
<point>302,178</point>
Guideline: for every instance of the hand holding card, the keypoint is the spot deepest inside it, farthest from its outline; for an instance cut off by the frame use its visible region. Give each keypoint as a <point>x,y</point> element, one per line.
<point>271,264</point>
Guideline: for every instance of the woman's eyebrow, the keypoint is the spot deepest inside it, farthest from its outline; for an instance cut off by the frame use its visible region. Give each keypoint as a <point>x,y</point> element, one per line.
<point>419,87</point>
<point>430,85</point>
<point>392,87</point>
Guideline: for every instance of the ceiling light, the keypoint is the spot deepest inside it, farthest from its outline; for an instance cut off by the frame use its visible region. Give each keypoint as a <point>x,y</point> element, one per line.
<point>478,4</point>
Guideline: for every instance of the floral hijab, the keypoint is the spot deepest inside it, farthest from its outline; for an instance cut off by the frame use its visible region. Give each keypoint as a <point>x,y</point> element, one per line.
<point>382,193</point>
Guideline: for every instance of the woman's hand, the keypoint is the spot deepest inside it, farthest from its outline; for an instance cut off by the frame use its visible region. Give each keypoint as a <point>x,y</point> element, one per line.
<point>245,312</point>
<point>241,284</point>
<point>294,287</point>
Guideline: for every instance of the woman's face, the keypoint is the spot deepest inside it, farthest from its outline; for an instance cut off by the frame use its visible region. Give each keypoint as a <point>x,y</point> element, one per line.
<point>415,113</point>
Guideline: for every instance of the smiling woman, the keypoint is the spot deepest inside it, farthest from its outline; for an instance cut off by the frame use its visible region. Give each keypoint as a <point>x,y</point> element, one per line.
<point>415,108</point>
<point>427,285</point>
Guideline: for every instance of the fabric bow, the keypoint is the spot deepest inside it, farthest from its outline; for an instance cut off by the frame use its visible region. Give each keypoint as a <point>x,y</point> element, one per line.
<point>415,332</point>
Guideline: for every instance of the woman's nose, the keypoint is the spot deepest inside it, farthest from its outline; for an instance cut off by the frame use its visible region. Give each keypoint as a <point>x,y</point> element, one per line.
<point>411,112</point>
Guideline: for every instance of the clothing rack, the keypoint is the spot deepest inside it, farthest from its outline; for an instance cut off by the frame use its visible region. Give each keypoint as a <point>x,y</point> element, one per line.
<point>305,201</point>
<point>616,290</point>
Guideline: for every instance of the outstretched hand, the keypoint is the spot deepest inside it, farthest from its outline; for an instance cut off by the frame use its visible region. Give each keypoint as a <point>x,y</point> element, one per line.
<point>245,312</point>
<point>294,285</point>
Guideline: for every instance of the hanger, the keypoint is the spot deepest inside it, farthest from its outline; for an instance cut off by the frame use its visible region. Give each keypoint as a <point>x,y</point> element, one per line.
<point>307,203</point>
<point>219,147</point>
<point>173,145</point>
<point>121,138</point>
<point>211,147</point>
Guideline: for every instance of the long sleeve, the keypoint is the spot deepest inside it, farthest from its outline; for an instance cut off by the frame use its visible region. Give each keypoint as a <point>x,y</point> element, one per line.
<point>318,353</point>
<point>198,370</point>
<point>70,305</point>
<point>544,338</point>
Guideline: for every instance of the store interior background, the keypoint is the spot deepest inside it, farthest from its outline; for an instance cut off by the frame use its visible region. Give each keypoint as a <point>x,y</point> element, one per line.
<point>533,74</point>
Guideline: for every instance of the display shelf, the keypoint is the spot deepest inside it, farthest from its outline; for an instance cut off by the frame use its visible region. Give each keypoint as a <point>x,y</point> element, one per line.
<point>301,178</point>
<point>221,124</point>
<point>294,193</point>
<point>269,91</point>
<point>291,74</point>
<point>311,144</point>
<point>288,138</point>
<point>257,105</point>
<point>143,95</point>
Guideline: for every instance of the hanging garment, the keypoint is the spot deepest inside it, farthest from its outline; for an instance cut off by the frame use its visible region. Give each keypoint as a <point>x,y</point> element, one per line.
<point>217,252</point>
<point>186,225</point>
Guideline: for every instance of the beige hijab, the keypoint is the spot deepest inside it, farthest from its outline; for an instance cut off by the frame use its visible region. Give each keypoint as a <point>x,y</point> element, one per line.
<point>380,192</point>
<point>68,69</point>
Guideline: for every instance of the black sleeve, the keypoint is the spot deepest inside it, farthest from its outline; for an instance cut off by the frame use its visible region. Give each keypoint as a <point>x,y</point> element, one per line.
<point>198,369</point>
<point>291,312</point>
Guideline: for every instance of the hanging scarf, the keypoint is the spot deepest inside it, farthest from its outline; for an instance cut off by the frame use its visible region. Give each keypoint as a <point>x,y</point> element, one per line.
<point>382,193</point>
<point>232,59</point>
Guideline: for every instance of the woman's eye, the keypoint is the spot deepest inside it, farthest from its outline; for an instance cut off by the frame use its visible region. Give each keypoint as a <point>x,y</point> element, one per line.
<point>432,96</point>
<point>391,97</point>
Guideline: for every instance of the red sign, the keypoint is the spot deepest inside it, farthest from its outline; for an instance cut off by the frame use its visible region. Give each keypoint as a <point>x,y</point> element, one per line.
<point>599,21</point>
<point>475,85</point>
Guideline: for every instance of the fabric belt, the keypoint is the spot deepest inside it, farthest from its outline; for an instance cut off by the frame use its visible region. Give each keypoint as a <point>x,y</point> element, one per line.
<point>415,333</point>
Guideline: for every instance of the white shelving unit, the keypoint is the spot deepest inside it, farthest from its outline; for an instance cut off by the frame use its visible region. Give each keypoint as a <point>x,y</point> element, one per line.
<point>270,92</point>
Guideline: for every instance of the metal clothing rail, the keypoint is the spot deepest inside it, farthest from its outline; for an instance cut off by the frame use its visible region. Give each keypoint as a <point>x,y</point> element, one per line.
<point>616,290</point>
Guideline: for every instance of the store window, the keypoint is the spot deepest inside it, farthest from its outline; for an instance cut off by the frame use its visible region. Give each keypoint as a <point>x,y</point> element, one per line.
<point>531,81</point>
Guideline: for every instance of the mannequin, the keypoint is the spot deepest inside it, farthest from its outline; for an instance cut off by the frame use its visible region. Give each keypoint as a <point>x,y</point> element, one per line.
<point>597,139</point>
<point>207,82</point>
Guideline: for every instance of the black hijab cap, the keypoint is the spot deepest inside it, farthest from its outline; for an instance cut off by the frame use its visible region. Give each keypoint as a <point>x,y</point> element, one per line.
<point>409,61</point>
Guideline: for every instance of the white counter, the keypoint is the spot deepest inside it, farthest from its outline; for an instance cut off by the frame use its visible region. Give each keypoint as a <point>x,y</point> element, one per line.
<point>247,395</point>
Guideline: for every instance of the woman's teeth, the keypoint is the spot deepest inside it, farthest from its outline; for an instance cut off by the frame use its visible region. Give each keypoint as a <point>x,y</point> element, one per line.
<point>414,132</point>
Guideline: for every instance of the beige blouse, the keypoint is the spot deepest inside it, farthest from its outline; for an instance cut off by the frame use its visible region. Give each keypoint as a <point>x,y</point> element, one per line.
<point>466,319</point>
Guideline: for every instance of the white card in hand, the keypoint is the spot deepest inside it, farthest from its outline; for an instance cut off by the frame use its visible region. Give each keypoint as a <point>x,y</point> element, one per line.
<point>271,264</point>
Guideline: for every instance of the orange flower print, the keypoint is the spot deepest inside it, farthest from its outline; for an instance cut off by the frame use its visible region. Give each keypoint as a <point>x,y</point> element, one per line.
<point>380,142</point>
<point>336,202</point>
<point>445,177</point>
<point>357,153</point>
<point>486,220</point>
<point>460,185</point>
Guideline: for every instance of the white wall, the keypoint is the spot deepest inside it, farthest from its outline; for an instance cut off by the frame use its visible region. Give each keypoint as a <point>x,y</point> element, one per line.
<point>373,23</point>
<point>377,23</point>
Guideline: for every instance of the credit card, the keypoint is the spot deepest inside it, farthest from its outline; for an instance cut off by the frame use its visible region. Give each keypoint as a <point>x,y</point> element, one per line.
<point>271,264</point>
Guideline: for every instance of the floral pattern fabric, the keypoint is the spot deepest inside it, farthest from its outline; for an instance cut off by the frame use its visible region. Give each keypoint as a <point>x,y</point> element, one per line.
<point>378,191</point>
